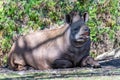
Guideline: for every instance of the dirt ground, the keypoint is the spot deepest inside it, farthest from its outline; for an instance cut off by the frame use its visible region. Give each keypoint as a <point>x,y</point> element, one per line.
<point>109,68</point>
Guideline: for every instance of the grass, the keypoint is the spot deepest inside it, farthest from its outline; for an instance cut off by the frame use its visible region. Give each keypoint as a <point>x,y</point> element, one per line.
<point>63,74</point>
<point>1,7</point>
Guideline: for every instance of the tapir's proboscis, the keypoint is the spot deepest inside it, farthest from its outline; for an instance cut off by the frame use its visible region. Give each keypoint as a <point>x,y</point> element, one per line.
<point>65,47</point>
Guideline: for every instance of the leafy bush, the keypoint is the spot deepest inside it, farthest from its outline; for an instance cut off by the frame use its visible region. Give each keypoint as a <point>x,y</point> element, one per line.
<point>22,16</point>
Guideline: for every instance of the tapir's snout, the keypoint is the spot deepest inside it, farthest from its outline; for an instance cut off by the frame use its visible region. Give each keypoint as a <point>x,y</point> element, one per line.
<point>83,34</point>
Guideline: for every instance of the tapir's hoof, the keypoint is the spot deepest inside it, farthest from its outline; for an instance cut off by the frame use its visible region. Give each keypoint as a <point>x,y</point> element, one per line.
<point>97,66</point>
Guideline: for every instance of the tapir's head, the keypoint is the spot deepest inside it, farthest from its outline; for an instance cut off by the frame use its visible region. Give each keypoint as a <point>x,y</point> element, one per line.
<point>79,31</point>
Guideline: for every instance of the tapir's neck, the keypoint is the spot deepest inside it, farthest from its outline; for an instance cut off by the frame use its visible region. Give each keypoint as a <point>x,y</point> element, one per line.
<point>67,37</point>
<point>63,41</point>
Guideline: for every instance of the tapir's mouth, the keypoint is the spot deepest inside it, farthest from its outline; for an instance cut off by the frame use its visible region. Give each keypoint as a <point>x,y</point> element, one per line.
<point>85,34</point>
<point>83,37</point>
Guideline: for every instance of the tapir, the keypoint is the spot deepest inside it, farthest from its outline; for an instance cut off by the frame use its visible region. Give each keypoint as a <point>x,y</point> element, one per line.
<point>64,47</point>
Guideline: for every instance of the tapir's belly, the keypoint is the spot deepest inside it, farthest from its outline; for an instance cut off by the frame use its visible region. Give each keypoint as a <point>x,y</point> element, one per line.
<point>42,58</point>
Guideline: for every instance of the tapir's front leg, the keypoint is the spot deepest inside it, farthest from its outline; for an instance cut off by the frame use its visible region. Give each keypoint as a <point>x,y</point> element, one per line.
<point>90,61</point>
<point>61,63</point>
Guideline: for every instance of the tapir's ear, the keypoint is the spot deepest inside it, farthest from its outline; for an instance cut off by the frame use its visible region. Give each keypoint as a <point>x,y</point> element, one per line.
<point>68,19</point>
<point>85,16</point>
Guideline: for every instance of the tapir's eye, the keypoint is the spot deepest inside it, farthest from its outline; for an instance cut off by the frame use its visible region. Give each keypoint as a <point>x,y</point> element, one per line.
<point>76,28</point>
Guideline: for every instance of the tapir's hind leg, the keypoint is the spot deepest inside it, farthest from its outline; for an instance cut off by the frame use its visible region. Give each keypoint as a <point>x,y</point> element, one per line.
<point>19,64</point>
<point>14,61</point>
<point>90,61</point>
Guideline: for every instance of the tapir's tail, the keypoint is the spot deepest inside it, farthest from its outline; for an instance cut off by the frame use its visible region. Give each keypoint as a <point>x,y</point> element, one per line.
<point>10,61</point>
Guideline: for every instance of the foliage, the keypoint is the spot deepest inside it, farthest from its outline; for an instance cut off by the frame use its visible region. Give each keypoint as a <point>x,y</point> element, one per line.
<point>23,16</point>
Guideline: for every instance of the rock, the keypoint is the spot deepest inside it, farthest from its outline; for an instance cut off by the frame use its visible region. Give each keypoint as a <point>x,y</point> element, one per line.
<point>118,20</point>
<point>115,53</point>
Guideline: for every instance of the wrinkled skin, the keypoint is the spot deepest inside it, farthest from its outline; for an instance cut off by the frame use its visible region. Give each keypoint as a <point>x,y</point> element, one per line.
<point>65,47</point>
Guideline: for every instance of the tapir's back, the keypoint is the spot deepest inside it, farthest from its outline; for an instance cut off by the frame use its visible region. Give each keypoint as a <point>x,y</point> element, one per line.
<point>42,37</point>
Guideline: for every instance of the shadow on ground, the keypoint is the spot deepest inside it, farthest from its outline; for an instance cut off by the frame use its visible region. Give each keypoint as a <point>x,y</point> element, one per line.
<point>111,63</point>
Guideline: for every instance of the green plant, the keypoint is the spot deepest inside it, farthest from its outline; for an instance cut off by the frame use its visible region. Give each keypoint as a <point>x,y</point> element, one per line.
<point>21,16</point>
